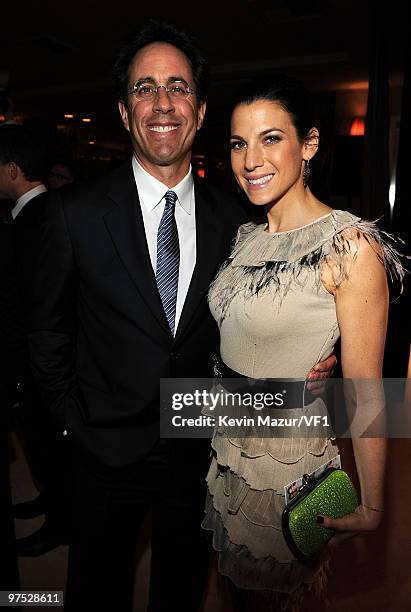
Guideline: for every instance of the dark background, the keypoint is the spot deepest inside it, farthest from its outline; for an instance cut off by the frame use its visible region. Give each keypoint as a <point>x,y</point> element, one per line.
<point>56,59</point>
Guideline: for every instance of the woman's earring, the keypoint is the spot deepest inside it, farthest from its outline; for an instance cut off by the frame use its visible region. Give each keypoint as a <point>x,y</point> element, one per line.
<point>306,172</point>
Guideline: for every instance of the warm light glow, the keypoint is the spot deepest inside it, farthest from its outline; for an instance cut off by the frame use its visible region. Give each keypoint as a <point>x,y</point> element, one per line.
<point>357,127</point>
<point>201,172</point>
<point>86,120</point>
<point>92,142</point>
<point>68,116</point>
<point>352,85</point>
<point>2,118</point>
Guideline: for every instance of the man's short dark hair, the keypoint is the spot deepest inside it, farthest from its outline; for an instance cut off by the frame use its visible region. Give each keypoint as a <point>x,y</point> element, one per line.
<point>160,31</point>
<point>18,145</point>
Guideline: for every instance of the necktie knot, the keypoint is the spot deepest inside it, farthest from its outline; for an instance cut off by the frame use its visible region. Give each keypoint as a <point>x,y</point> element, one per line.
<point>170,198</point>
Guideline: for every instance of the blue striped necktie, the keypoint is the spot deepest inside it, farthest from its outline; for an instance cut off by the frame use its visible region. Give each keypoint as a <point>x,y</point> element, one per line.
<point>168,259</point>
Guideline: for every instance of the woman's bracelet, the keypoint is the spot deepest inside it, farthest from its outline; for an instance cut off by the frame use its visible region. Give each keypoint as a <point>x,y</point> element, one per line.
<point>371,508</point>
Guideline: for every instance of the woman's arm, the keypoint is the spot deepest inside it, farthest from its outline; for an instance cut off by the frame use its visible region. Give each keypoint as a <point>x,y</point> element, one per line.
<point>362,307</point>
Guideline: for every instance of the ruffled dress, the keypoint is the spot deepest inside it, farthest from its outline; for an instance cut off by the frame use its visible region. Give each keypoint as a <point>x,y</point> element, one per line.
<point>276,320</point>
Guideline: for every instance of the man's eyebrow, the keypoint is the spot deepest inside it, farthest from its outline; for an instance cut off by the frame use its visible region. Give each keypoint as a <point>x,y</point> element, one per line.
<point>171,79</point>
<point>176,78</point>
<point>145,80</point>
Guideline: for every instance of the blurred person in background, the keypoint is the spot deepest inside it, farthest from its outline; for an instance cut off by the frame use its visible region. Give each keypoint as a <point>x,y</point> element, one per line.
<point>62,173</point>
<point>22,170</point>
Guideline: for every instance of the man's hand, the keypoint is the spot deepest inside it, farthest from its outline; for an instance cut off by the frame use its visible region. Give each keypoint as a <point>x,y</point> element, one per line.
<point>319,373</point>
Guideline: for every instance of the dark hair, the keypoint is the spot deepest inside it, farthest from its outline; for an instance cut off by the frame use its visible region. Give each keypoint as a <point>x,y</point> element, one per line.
<point>160,31</point>
<point>286,91</point>
<point>18,145</point>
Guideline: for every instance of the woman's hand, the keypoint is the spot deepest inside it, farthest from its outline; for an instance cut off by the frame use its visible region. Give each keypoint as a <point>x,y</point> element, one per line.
<point>361,521</point>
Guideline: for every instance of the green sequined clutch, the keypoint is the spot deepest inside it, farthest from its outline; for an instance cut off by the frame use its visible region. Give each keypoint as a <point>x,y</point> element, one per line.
<point>332,494</point>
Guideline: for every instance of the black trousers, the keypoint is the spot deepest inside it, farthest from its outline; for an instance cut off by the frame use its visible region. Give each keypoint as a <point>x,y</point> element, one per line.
<point>46,455</point>
<point>109,505</point>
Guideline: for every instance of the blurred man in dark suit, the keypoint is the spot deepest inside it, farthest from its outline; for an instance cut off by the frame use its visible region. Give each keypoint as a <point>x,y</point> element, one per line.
<point>22,167</point>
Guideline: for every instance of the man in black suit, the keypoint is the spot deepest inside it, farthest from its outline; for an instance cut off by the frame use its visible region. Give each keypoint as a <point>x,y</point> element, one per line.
<point>105,332</point>
<point>22,167</point>
<point>101,339</point>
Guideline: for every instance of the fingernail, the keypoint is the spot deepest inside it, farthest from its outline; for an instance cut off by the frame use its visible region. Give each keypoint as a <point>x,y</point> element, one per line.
<point>319,519</point>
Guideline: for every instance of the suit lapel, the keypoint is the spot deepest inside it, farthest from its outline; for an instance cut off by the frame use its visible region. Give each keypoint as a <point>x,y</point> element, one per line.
<point>124,222</point>
<point>209,237</point>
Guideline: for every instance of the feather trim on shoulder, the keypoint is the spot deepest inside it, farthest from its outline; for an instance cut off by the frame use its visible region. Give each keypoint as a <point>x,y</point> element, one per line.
<point>262,261</point>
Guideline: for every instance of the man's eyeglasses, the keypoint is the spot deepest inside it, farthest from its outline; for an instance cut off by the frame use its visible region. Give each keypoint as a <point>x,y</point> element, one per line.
<point>147,91</point>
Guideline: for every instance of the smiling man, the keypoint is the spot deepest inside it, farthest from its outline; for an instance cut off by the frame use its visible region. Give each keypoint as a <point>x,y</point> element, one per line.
<point>161,111</point>
<point>120,303</point>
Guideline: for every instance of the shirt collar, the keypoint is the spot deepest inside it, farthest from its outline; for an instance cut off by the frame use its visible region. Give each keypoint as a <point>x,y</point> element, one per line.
<point>151,191</point>
<point>26,197</point>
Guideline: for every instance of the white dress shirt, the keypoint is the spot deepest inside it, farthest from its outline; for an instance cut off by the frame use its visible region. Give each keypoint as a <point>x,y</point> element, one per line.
<point>26,197</point>
<point>151,194</point>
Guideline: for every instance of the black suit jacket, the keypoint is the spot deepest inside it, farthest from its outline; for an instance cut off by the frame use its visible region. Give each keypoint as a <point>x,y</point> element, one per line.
<point>100,341</point>
<point>19,245</point>
<point>26,228</point>
<point>27,241</point>
<point>12,341</point>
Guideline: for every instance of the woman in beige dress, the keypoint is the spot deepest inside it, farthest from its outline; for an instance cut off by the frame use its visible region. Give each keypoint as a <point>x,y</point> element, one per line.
<point>291,287</point>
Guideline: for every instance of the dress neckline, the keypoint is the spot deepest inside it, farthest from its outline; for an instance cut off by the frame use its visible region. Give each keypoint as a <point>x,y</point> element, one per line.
<point>255,247</point>
<point>296,229</point>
